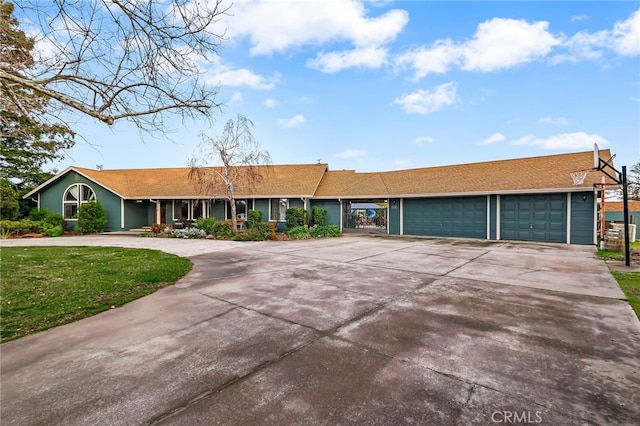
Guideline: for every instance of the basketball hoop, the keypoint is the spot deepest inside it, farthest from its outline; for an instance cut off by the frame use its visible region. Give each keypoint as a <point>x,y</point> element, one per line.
<point>579,176</point>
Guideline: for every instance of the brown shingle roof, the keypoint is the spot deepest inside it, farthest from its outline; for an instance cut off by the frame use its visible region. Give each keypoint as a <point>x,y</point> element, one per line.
<point>616,206</point>
<point>279,180</point>
<point>541,173</point>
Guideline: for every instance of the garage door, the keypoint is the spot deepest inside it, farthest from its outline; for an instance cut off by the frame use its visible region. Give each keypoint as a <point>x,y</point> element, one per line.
<point>534,217</point>
<point>446,217</point>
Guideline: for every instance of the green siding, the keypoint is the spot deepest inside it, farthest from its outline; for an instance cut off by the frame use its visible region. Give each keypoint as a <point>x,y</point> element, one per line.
<point>51,199</point>
<point>332,207</point>
<point>394,216</point>
<point>536,217</point>
<point>262,204</point>
<point>217,209</point>
<point>296,202</point>
<point>446,217</point>
<point>493,217</point>
<point>136,215</point>
<point>582,220</point>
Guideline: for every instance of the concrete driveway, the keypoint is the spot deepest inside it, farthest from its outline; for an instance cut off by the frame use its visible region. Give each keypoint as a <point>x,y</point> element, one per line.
<point>352,330</point>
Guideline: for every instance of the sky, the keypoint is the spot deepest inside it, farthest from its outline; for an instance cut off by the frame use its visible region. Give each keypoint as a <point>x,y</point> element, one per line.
<point>387,85</point>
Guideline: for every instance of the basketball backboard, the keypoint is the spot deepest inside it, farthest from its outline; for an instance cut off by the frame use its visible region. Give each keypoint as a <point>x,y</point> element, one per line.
<point>596,156</point>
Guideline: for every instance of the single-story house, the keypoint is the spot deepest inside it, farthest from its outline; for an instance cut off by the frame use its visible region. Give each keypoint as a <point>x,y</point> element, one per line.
<point>613,212</point>
<point>531,199</point>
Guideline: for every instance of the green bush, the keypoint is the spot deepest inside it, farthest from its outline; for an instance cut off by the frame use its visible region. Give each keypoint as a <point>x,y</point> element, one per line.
<point>21,227</point>
<point>206,224</point>
<point>326,231</point>
<point>319,216</point>
<point>46,216</point>
<point>52,230</point>
<point>299,233</point>
<point>267,231</point>
<point>296,216</point>
<point>255,218</point>
<point>222,230</point>
<point>91,218</point>
<point>261,232</point>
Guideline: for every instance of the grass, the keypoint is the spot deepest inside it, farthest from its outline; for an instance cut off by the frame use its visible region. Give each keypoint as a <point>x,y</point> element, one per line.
<point>618,255</point>
<point>44,287</point>
<point>629,282</point>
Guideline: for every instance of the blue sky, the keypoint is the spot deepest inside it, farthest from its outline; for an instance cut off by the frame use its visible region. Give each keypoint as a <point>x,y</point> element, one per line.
<point>386,85</point>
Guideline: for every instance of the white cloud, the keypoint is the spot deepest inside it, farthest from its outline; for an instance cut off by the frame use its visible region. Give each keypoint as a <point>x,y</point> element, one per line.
<point>292,122</point>
<point>553,120</point>
<point>422,140</point>
<point>351,153</point>
<point>236,97</point>
<point>626,35</point>
<point>578,18</point>
<point>576,140</point>
<point>369,57</point>
<point>241,77</point>
<point>493,139</point>
<point>504,43</point>
<point>426,102</point>
<point>624,39</point>
<point>278,26</point>
<point>270,103</point>
<point>437,59</point>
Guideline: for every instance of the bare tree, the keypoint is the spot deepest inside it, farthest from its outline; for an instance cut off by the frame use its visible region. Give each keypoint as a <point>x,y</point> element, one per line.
<point>239,153</point>
<point>113,60</point>
<point>633,179</point>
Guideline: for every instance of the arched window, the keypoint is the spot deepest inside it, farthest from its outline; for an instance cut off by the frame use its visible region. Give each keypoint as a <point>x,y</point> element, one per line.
<point>74,196</point>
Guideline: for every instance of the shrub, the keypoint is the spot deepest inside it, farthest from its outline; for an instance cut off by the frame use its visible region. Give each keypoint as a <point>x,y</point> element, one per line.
<point>222,230</point>
<point>91,217</point>
<point>52,230</point>
<point>21,227</point>
<point>188,233</point>
<point>161,230</point>
<point>296,216</point>
<point>326,231</point>
<point>46,216</point>
<point>207,224</point>
<point>267,231</point>
<point>299,233</point>
<point>319,216</point>
<point>255,218</point>
<point>260,232</point>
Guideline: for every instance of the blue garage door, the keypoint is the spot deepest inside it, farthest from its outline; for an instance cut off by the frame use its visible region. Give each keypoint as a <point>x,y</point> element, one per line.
<point>534,217</point>
<point>446,217</point>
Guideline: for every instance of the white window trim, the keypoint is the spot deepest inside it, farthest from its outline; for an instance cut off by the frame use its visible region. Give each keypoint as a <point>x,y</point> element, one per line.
<point>277,220</point>
<point>227,207</point>
<point>78,203</point>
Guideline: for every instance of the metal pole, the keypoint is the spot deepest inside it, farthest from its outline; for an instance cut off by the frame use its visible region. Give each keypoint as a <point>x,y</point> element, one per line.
<point>625,203</point>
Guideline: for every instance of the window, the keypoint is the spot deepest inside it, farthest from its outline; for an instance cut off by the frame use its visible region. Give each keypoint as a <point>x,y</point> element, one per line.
<point>278,209</point>
<point>241,209</point>
<point>76,195</point>
<point>180,210</point>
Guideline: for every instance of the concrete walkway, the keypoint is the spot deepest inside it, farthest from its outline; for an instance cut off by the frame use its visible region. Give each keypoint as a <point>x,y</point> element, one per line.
<point>353,330</point>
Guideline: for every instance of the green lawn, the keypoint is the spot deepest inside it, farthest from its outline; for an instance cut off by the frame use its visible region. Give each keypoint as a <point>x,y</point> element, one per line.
<point>630,284</point>
<point>44,287</point>
<point>629,281</point>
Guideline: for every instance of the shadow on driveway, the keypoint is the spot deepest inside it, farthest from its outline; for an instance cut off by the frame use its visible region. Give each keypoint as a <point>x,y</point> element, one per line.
<point>353,330</point>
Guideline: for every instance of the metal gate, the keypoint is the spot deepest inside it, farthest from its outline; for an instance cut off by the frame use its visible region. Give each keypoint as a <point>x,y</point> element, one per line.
<point>360,216</point>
